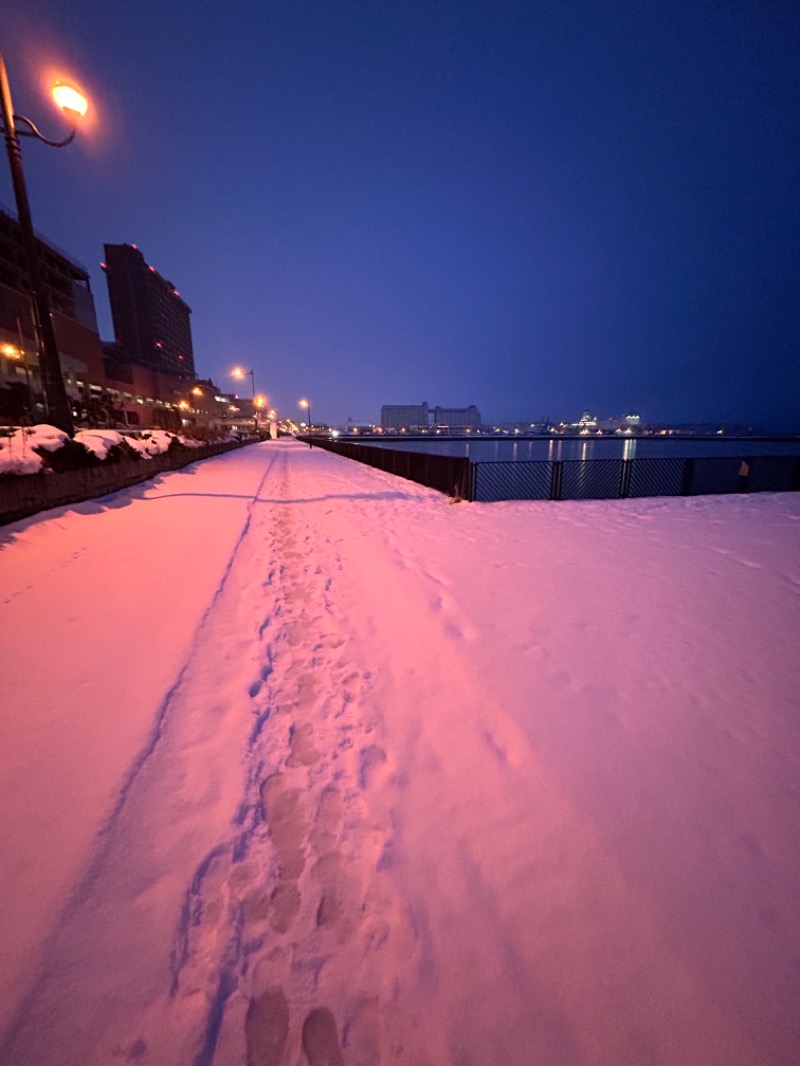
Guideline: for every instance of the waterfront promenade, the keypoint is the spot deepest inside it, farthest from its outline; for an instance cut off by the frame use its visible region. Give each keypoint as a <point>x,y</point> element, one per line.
<point>301,760</point>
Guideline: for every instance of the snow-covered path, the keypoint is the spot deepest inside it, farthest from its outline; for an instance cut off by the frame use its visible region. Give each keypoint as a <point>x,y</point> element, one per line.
<point>398,781</point>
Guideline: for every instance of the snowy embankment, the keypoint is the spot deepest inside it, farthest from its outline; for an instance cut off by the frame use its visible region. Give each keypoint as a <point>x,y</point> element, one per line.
<point>386,779</point>
<point>26,450</point>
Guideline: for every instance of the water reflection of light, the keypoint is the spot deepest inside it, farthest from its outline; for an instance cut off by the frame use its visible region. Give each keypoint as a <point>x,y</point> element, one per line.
<point>629,448</point>
<point>584,449</point>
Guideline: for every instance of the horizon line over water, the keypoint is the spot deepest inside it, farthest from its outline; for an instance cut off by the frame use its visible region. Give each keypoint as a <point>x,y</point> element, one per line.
<point>510,449</point>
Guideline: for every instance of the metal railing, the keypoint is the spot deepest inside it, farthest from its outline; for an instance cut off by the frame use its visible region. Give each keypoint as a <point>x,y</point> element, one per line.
<point>447,473</point>
<point>605,479</point>
<point>578,479</point>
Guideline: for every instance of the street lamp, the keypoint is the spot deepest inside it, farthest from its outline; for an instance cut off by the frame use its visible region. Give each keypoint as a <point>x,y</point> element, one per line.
<point>73,104</point>
<point>240,374</point>
<point>307,405</point>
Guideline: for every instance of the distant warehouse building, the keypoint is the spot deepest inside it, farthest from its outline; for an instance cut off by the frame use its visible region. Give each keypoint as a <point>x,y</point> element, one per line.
<point>405,416</point>
<point>411,418</point>
<point>457,418</point>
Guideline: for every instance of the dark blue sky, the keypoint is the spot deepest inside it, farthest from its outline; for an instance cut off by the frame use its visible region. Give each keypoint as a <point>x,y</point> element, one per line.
<point>534,207</point>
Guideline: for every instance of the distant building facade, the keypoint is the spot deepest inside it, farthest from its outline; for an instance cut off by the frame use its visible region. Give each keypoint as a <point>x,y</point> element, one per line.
<point>457,418</point>
<point>407,417</point>
<point>151,321</point>
<point>411,418</point>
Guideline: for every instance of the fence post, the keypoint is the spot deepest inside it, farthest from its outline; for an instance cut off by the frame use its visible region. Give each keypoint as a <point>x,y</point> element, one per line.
<point>556,474</point>
<point>625,480</point>
<point>688,474</point>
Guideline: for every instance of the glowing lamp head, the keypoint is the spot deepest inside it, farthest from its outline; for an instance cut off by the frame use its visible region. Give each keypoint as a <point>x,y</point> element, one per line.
<point>197,391</point>
<point>10,351</point>
<point>260,401</point>
<point>237,372</point>
<point>71,100</point>
<point>302,403</point>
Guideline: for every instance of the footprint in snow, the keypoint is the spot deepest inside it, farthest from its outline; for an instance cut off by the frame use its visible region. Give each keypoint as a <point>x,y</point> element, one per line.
<point>284,817</point>
<point>284,906</point>
<point>303,752</point>
<point>267,1028</point>
<point>328,820</point>
<point>321,1039</point>
<point>372,762</point>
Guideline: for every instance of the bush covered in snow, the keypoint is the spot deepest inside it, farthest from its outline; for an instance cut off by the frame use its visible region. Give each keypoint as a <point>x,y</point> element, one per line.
<point>43,448</point>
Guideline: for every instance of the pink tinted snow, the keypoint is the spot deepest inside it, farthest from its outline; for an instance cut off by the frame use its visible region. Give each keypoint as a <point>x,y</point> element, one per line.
<point>17,455</point>
<point>521,779</point>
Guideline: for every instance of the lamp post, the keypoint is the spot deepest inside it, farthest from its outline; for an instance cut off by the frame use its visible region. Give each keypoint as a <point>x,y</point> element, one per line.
<point>240,373</point>
<point>307,405</point>
<point>73,104</point>
<point>259,403</point>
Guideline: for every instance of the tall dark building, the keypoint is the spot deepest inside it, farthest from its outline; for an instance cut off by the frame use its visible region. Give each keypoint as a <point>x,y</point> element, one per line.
<point>66,282</point>
<point>151,321</point>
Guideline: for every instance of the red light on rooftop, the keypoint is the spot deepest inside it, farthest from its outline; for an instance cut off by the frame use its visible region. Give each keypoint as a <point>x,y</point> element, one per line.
<point>153,269</point>
<point>104,266</point>
<point>136,246</point>
<point>175,292</point>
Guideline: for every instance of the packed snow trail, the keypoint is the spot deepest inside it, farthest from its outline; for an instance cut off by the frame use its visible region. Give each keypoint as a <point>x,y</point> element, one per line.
<point>100,603</point>
<point>383,817</point>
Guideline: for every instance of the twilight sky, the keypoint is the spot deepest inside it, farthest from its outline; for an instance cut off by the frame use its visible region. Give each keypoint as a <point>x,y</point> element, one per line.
<point>534,207</point>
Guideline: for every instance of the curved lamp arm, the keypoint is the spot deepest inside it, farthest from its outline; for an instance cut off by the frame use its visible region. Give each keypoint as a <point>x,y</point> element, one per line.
<point>32,131</point>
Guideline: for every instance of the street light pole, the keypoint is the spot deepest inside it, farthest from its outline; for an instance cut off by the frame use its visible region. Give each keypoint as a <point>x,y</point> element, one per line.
<point>239,373</point>
<point>255,409</point>
<point>59,409</point>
